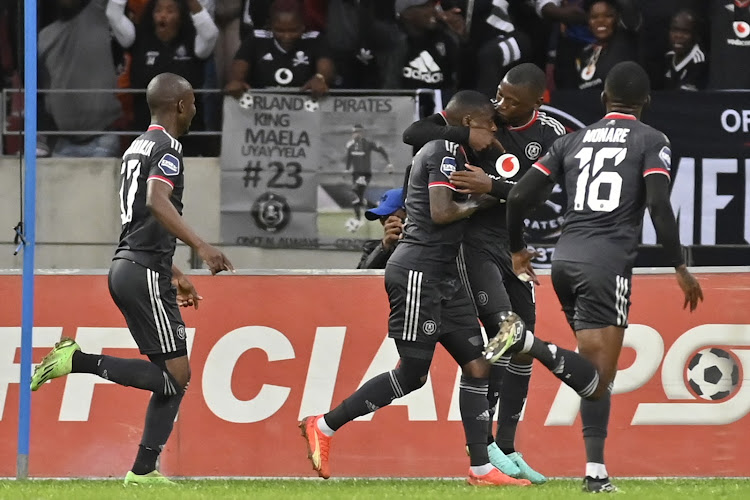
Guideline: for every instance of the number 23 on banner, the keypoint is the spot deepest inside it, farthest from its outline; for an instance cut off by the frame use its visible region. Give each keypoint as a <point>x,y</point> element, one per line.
<point>275,174</point>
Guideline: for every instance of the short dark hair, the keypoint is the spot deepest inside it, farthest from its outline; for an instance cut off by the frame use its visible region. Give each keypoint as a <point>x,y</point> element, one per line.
<point>627,83</point>
<point>527,75</point>
<point>587,4</point>
<point>468,101</point>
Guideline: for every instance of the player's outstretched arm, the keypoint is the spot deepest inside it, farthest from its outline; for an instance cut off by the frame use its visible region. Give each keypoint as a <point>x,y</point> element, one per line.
<point>657,200</point>
<point>433,128</point>
<point>158,202</point>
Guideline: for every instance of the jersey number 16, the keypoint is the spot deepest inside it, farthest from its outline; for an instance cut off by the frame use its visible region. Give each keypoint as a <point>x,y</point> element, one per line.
<point>591,180</point>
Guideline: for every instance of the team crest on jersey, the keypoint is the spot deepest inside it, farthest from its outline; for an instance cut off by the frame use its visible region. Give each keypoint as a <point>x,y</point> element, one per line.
<point>741,29</point>
<point>429,327</point>
<point>533,150</point>
<point>271,212</point>
<point>448,165</point>
<point>170,165</point>
<point>181,332</point>
<point>483,298</point>
<point>507,165</point>
<point>666,157</point>
<point>300,58</point>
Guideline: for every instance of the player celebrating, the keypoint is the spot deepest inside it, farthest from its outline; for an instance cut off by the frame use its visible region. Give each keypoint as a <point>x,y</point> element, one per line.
<point>428,302</point>
<point>358,159</point>
<point>143,282</point>
<point>524,133</point>
<point>611,170</point>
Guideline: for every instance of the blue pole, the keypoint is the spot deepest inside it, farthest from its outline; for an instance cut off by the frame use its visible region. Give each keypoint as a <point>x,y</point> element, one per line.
<point>29,230</point>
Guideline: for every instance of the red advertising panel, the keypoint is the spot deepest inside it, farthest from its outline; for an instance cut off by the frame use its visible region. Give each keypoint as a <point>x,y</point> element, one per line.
<point>267,350</point>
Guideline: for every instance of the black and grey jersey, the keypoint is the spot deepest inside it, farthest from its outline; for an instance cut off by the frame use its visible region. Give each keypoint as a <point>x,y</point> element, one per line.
<point>523,146</point>
<point>603,167</point>
<point>690,73</point>
<point>426,246</point>
<point>153,156</point>
<point>272,66</point>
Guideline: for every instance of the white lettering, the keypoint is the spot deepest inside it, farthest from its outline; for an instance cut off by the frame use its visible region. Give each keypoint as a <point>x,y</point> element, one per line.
<point>606,135</point>
<point>220,363</point>
<point>323,370</point>
<point>711,200</point>
<point>9,370</point>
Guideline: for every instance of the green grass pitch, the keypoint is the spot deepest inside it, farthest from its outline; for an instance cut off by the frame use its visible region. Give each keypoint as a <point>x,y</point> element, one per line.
<point>352,489</point>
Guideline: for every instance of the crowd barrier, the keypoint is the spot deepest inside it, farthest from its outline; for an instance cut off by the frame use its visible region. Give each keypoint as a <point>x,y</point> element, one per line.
<point>267,349</point>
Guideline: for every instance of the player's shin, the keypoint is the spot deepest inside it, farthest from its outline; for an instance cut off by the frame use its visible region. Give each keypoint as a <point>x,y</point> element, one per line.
<point>160,417</point>
<point>513,392</point>
<point>497,372</point>
<point>137,373</point>
<point>475,416</point>
<point>571,368</point>
<point>375,393</point>
<point>595,420</point>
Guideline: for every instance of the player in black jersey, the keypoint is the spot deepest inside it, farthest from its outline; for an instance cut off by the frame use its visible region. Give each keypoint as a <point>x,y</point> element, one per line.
<point>611,170</point>
<point>429,304</point>
<point>144,283</point>
<point>359,160</point>
<point>524,133</point>
<point>687,68</point>
<point>284,56</point>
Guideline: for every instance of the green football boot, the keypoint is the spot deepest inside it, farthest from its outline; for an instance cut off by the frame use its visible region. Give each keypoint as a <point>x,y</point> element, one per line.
<point>526,472</point>
<point>152,478</point>
<point>55,364</point>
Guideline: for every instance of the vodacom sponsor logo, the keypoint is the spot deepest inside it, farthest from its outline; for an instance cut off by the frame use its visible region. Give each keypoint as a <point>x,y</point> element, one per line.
<point>682,407</point>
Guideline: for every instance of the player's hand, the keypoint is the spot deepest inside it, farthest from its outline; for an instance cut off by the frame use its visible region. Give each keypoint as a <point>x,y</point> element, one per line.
<point>392,230</point>
<point>214,259</point>
<point>389,168</point>
<point>690,287</point>
<point>186,294</point>
<point>473,180</point>
<point>236,88</point>
<point>482,138</point>
<point>316,85</point>
<point>522,265</point>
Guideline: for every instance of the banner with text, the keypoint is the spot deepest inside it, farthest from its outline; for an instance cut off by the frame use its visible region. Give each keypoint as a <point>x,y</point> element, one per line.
<point>710,135</point>
<point>298,173</point>
<point>259,366</point>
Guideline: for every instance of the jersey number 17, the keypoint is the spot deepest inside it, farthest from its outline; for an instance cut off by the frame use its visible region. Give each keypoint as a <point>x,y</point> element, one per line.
<point>129,172</point>
<point>591,180</point>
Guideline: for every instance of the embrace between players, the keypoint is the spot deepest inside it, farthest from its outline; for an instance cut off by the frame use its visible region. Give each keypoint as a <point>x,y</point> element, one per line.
<point>458,260</point>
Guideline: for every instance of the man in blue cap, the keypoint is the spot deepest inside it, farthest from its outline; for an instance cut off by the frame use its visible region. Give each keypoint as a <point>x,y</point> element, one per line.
<point>391,213</point>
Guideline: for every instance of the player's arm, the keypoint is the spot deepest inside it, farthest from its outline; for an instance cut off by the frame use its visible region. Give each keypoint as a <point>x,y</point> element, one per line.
<point>206,31</point>
<point>378,148</point>
<point>434,128</point>
<point>123,28</point>
<point>348,158</point>
<point>528,193</point>
<point>187,296</point>
<point>667,232</point>
<point>444,209</point>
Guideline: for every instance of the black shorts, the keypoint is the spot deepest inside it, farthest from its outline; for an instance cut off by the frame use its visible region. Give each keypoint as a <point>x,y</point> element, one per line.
<point>148,301</point>
<point>591,296</point>
<point>425,311</point>
<point>494,286</point>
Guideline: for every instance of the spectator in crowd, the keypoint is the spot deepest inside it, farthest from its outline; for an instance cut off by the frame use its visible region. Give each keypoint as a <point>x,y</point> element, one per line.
<point>228,21</point>
<point>75,53</point>
<point>613,45</point>
<point>358,33</point>
<point>426,53</point>
<point>174,36</point>
<point>730,44</point>
<point>284,56</point>
<point>391,213</point>
<point>687,68</point>
<point>256,15</point>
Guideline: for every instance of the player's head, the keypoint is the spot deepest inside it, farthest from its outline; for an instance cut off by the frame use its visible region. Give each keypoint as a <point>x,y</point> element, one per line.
<point>419,14</point>
<point>470,108</point>
<point>520,93</point>
<point>357,131</point>
<point>626,88</point>
<point>171,100</point>
<point>391,203</point>
<point>287,23</point>
<point>603,16</point>
<point>682,32</point>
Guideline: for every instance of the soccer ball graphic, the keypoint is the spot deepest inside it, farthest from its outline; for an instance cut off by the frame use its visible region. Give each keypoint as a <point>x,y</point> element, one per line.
<point>246,101</point>
<point>311,105</point>
<point>713,374</point>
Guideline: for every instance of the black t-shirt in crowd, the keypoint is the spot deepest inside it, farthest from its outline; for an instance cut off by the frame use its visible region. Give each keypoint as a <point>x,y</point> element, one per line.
<point>272,66</point>
<point>689,74</point>
<point>596,60</point>
<point>730,44</point>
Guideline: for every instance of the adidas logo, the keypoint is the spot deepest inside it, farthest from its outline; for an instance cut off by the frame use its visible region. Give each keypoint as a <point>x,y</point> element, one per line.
<point>371,406</point>
<point>268,57</point>
<point>484,416</point>
<point>424,68</point>
<point>560,367</point>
